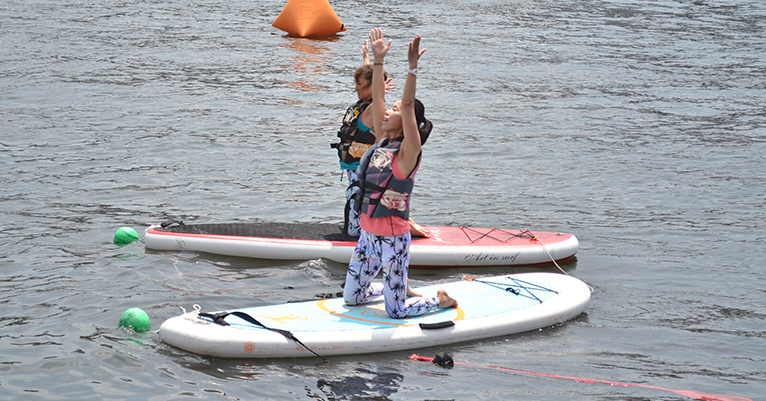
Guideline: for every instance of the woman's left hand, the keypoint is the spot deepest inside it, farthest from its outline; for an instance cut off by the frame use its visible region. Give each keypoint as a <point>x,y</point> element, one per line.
<point>414,53</point>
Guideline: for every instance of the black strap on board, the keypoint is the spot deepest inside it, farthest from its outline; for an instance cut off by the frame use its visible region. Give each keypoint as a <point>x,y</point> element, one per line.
<point>169,223</point>
<point>218,319</point>
<point>439,325</point>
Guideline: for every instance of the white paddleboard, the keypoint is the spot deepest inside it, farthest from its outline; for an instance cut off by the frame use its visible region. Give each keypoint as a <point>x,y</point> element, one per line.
<point>493,306</point>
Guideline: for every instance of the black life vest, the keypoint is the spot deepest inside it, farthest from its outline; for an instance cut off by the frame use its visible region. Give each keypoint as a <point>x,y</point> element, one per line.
<point>380,193</point>
<point>353,141</point>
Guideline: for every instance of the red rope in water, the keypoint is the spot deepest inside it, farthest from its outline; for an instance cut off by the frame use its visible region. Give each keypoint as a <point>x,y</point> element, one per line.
<point>687,393</point>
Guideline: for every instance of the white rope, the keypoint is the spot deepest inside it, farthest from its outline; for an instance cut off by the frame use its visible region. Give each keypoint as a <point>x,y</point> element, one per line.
<point>545,248</point>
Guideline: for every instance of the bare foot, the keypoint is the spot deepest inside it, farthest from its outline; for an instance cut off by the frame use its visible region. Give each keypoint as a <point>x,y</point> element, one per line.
<point>445,301</point>
<point>416,230</point>
<point>412,293</point>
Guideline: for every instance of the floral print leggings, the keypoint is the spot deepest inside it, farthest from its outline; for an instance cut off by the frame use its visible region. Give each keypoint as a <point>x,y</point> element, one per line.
<point>391,254</point>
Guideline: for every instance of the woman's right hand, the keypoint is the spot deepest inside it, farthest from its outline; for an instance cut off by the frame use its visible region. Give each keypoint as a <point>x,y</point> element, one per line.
<point>378,44</point>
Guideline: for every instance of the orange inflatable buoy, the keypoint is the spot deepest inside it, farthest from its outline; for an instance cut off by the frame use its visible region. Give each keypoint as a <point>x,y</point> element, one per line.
<point>309,18</point>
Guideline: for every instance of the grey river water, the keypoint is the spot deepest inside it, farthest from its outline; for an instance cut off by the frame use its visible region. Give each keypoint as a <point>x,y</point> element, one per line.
<point>639,126</point>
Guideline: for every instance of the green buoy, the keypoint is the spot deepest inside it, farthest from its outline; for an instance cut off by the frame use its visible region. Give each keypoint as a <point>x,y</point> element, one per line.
<point>125,235</point>
<point>135,318</point>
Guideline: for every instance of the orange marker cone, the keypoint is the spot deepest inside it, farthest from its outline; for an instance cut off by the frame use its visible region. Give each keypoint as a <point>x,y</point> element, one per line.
<point>309,18</point>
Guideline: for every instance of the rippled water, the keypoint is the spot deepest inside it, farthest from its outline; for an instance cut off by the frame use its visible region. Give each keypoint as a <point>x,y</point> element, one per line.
<point>636,125</point>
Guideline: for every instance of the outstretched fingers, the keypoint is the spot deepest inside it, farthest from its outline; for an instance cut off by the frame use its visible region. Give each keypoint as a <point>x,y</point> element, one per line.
<point>378,44</point>
<point>366,52</point>
<point>415,52</point>
<point>389,84</point>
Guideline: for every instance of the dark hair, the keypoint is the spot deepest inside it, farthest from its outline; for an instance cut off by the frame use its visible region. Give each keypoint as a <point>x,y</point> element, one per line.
<point>365,71</point>
<point>424,125</point>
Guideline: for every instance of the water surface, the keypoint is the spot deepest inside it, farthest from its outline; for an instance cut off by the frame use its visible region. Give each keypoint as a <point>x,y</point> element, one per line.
<point>636,125</point>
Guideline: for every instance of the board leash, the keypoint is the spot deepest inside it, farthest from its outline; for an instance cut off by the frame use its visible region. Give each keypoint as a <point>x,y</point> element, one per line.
<point>218,318</point>
<point>445,360</point>
<point>545,248</point>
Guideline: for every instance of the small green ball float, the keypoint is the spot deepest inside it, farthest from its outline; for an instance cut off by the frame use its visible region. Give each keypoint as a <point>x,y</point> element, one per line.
<point>125,235</point>
<point>136,319</point>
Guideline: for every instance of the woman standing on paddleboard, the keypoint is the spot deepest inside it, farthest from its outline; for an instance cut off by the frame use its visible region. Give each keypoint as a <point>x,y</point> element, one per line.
<point>386,175</point>
<point>356,136</point>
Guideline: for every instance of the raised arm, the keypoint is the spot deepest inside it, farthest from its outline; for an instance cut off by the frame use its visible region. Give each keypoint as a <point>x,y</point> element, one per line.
<point>379,49</point>
<point>410,150</point>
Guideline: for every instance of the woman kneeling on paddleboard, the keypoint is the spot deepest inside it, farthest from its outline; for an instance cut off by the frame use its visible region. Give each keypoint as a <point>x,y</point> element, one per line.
<point>386,174</point>
<point>356,136</point>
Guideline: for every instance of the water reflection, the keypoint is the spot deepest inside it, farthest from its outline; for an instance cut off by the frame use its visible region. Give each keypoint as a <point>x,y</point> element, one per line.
<point>368,385</point>
<point>309,56</point>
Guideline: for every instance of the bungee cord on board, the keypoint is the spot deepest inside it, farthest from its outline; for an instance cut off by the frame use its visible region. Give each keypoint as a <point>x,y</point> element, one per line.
<point>475,235</point>
<point>504,236</point>
<point>515,287</point>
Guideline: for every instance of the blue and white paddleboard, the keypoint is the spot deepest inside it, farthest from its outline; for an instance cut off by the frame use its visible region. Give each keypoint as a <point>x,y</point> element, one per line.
<point>487,307</point>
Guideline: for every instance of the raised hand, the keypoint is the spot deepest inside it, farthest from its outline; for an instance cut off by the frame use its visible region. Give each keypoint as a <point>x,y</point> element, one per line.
<point>413,55</point>
<point>365,53</point>
<point>378,44</point>
<point>389,84</point>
